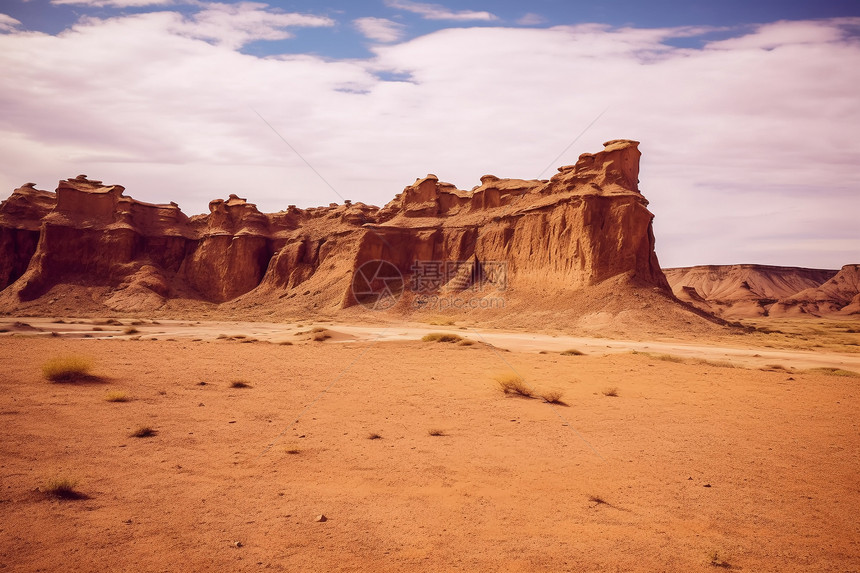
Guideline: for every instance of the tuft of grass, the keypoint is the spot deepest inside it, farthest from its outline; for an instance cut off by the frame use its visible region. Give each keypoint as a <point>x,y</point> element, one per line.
<point>835,372</point>
<point>553,397</point>
<point>435,432</point>
<point>374,436</point>
<point>511,383</point>
<point>117,396</point>
<point>573,352</point>
<point>321,336</point>
<point>613,392</point>
<point>143,432</point>
<point>717,559</point>
<point>441,337</point>
<point>67,369</point>
<point>596,499</point>
<point>239,384</point>
<point>61,488</point>
<point>466,342</point>
<point>130,330</point>
<point>293,451</point>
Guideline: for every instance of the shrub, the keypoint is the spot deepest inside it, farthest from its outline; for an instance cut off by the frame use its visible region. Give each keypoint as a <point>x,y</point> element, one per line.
<point>552,397</point>
<point>441,337</point>
<point>239,384</point>
<point>321,336</point>
<point>67,369</point>
<point>130,330</point>
<point>466,342</point>
<point>61,488</point>
<point>836,372</point>
<point>573,352</point>
<point>117,396</point>
<point>613,392</point>
<point>143,432</point>
<point>511,383</point>
<point>374,436</point>
<point>436,432</point>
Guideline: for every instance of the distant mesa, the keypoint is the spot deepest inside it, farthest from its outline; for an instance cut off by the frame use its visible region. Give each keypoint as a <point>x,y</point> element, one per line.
<point>578,251</point>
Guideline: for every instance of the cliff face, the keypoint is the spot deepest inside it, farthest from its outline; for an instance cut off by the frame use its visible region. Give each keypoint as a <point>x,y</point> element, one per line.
<point>586,225</point>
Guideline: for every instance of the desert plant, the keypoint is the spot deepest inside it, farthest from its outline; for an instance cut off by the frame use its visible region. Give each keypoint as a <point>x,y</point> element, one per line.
<point>441,337</point>
<point>143,432</point>
<point>117,396</point>
<point>835,372</point>
<point>321,336</point>
<point>61,488</point>
<point>512,383</point>
<point>436,432</point>
<point>374,436</point>
<point>613,392</point>
<point>717,559</point>
<point>573,352</point>
<point>239,384</point>
<point>596,499</point>
<point>552,397</point>
<point>466,342</point>
<point>130,330</point>
<point>67,368</point>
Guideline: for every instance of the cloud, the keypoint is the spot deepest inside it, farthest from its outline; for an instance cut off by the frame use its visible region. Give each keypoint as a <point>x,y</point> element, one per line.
<point>749,150</point>
<point>379,29</point>
<point>113,3</point>
<point>437,12</point>
<point>8,23</point>
<point>531,19</point>
<point>234,25</point>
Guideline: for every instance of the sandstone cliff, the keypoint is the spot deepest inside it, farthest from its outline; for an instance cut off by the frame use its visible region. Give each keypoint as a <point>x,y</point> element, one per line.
<point>545,247</point>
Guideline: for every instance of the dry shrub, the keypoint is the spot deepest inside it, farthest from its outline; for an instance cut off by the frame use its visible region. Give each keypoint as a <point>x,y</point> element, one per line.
<point>61,488</point>
<point>573,352</point>
<point>512,383</point>
<point>613,392</point>
<point>117,396</point>
<point>68,369</point>
<point>552,397</point>
<point>441,337</point>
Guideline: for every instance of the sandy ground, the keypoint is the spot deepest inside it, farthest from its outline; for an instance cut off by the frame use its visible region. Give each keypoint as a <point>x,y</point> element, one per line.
<point>687,461</point>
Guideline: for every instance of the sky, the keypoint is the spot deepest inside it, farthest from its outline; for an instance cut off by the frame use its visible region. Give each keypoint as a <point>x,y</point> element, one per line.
<point>747,112</point>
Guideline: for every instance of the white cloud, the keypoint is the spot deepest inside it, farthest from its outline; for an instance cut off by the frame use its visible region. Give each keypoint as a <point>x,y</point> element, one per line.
<point>234,25</point>
<point>749,151</point>
<point>8,23</point>
<point>113,3</point>
<point>531,19</point>
<point>437,12</point>
<point>379,29</point>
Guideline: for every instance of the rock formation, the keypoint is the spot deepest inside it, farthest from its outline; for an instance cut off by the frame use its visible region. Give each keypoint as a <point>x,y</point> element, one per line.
<point>89,244</point>
<point>745,291</point>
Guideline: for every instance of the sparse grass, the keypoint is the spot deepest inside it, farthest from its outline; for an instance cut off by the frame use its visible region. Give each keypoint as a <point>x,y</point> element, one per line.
<point>717,559</point>
<point>613,392</point>
<point>596,499</point>
<point>553,397</point>
<point>466,342</point>
<point>511,383</point>
<point>68,369</point>
<point>374,436</point>
<point>435,432</point>
<point>61,488</point>
<point>117,396</point>
<point>321,336</point>
<point>143,432</point>
<point>239,384</point>
<point>835,372</point>
<point>441,337</point>
<point>130,330</point>
<point>573,352</point>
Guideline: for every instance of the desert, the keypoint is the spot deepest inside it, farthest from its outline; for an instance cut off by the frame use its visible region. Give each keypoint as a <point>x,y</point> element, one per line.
<point>245,391</point>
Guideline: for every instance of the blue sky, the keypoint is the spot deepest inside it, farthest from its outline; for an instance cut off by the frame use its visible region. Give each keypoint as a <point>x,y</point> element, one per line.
<point>747,111</point>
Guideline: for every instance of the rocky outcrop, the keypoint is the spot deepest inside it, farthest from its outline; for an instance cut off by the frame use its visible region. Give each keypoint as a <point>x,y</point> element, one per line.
<point>534,240</point>
<point>840,295</point>
<point>745,291</point>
